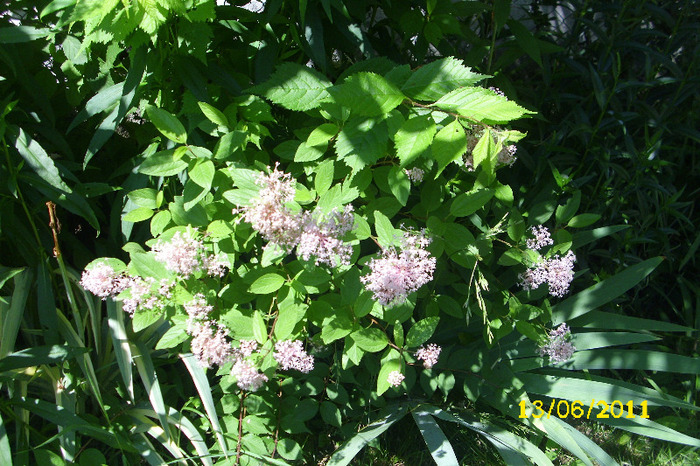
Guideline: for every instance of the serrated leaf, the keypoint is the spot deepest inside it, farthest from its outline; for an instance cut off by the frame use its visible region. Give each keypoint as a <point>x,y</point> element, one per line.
<point>268,283</point>
<point>485,153</point>
<point>362,142</point>
<point>414,138</point>
<point>449,145</point>
<point>367,94</point>
<point>399,184</point>
<point>481,104</point>
<point>432,81</point>
<point>213,114</point>
<point>168,125</point>
<point>295,87</point>
<point>467,203</point>
<point>163,163</point>
<point>421,331</point>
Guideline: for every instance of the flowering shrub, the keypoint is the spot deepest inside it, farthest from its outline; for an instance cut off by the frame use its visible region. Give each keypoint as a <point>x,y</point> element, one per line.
<point>347,246</point>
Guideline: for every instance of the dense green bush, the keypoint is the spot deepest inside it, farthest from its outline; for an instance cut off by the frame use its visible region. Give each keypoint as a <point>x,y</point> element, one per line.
<point>343,237</point>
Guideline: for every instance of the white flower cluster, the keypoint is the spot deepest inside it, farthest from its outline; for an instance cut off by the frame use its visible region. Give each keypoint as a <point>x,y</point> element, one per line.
<point>415,174</point>
<point>557,271</point>
<point>313,235</point>
<point>184,254</point>
<point>396,274</point>
<point>395,378</point>
<point>429,355</point>
<point>558,346</point>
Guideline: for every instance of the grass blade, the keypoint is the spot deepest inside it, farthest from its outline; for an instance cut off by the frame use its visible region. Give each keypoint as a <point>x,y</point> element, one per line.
<point>635,359</point>
<point>610,321</point>
<point>436,440</point>
<point>505,439</point>
<point>354,445</point>
<point>603,292</point>
<point>586,444</point>
<point>13,317</point>
<point>201,382</point>
<point>148,375</point>
<point>5,451</point>
<point>120,342</point>
<point>39,355</point>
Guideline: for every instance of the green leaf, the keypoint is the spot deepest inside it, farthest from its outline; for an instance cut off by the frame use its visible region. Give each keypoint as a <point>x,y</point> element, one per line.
<point>324,176</point>
<point>610,321</point>
<point>399,184</point>
<point>295,87</point>
<point>163,163</point>
<point>336,327</point>
<point>203,173</point>
<point>485,153</point>
<point>322,134</point>
<point>421,331</point>
<point>159,222</point>
<point>213,114</point>
<point>201,382</point>
<point>477,103</point>
<point>566,211</point>
<point>362,142</point>
<point>39,355</point>
<point>583,220</point>
<point>449,145</point>
<point>268,283</point>
<point>634,359</point>
<point>467,203</point>
<point>5,450</point>
<point>382,379</point>
<point>167,124</point>
<point>603,292</point>
<point>525,40</point>
<point>139,214</point>
<point>145,197</point>
<point>367,94</point>
<point>146,265</point>
<point>17,34</point>
<point>331,414</point>
<point>120,343</point>
<point>585,237</point>
<point>414,138</point>
<point>36,157</point>
<point>306,153</point>
<point>432,81</point>
<point>370,339</point>
<point>12,315</point>
<point>103,101</point>
<point>436,440</point>
<point>386,234</point>
<point>173,337</point>
<point>289,449</point>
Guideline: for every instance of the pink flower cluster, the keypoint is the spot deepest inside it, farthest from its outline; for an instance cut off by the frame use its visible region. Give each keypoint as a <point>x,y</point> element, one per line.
<point>311,234</point>
<point>541,238</point>
<point>248,377</point>
<point>146,293</point>
<point>395,378</point>
<point>269,214</point>
<point>102,281</point>
<point>507,155</point>
<point>557,272</point>
<point>210,343</point>
<point>184,254</point>
<point>291,355</point>
<point>558,346</point>
<point>429,355</point>
<point>320,237</point>
<point>396,274</point>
